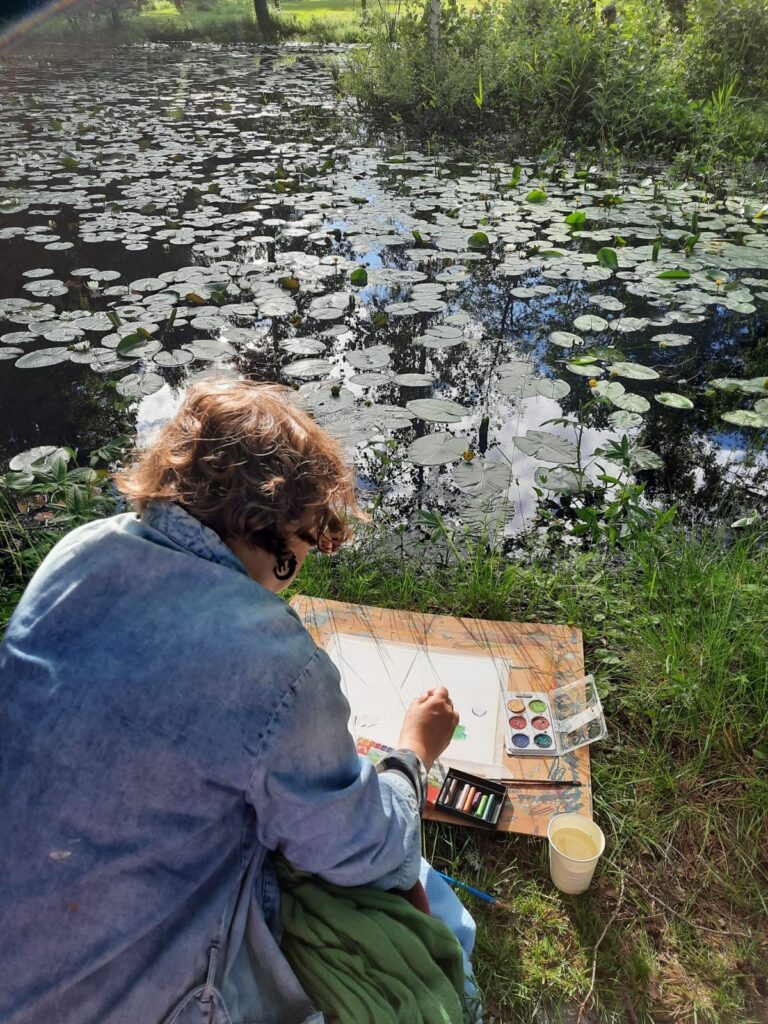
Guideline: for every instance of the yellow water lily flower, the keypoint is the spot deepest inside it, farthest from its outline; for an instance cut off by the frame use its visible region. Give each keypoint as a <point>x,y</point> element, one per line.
<point>468,455</point>
<point>592,382</point>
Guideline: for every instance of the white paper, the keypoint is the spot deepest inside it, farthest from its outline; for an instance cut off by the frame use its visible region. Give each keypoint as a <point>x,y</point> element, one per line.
<point>381,678</point>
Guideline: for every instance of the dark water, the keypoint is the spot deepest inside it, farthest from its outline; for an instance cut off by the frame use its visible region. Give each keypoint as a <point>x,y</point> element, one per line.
<point>215,202</point>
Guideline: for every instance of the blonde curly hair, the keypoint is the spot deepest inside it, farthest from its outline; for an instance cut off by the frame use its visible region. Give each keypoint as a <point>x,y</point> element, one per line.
<point>243,459</point>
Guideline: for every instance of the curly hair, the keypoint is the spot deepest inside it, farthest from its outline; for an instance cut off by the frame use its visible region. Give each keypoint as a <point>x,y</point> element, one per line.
<point>243,459</point>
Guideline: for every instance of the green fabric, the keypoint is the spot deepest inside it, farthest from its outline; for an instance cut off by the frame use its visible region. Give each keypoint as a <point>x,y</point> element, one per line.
<point>364,956</point>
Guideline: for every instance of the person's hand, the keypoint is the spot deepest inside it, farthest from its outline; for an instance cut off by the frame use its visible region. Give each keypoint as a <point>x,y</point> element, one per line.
<point>429,725</point>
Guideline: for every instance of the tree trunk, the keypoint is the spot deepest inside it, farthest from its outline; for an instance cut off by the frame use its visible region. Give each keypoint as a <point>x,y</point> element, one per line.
<point>432,15</point>
<point>263,19</point>
<point>114,11</point>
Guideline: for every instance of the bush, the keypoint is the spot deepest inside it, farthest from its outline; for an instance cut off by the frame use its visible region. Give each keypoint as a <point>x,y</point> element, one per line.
<point>554,70</point>
<point>725,42</point>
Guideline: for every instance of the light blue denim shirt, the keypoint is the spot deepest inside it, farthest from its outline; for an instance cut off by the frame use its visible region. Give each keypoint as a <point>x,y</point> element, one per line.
<point>165,722</point>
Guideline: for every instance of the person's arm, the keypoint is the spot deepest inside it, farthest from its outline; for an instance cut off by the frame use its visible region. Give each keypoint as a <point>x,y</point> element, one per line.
<point>324,807</point>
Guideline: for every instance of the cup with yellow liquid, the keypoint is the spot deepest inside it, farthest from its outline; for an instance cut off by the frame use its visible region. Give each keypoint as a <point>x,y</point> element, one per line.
<point>575,846</point>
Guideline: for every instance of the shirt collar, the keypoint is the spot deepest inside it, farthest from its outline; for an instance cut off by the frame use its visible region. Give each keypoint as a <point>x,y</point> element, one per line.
<point>190,534</point>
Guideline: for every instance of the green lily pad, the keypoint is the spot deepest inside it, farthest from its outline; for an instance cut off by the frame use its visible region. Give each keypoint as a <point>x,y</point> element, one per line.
<point>565,339</point>
<point>437,449</point>
<point>631,403</point>
<point>585,369</point>
<point>540,444</point>
<point>746,418</point>
<point>437,410</point>
<point>644,458</point>
<point>674,401</point>
<point>42,357</point>
<point>308,368</point>
<point>137,385</point>
<point>557,479</point>
<point>40,457</point>
<point>622,420</point>
<point>634,371</point>
<point>413,380</point>
<point>590,322</point>
<point>482,477</point>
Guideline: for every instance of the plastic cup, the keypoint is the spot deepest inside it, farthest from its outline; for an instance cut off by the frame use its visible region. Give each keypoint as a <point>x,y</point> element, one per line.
<point>575,847</point>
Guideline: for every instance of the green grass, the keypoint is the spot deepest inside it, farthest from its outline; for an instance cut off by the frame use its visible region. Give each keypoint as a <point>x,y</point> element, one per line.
<point>328,21</point>
<point>674,631</point>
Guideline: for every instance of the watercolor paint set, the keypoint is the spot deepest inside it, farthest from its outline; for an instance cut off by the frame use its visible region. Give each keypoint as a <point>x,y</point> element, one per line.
<point>550,724</point>
<point>471,798</point>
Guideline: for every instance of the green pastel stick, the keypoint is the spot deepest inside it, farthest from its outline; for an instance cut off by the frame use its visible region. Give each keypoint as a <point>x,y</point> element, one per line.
<point>489,808</point>
<point>482,805</point>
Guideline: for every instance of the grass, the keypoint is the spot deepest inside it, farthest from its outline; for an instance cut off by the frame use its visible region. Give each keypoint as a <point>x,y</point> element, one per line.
<point>325,21</point>
<point>674,631</point>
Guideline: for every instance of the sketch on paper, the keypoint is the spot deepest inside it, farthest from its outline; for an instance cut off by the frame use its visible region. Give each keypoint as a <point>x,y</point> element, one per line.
<point>380,679</point>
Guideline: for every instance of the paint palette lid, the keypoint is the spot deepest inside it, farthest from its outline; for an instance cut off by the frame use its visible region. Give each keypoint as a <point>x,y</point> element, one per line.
<point>577,714</point>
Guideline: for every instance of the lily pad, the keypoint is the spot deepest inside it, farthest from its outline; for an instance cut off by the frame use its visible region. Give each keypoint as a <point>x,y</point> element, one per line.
<point>634,371</point>
<point>138,385</point>
<point>746,418</point>
<point>644,458</point>
<point>482,477</point>
<point>557,479</point>
<point>308,368</point>
<point>414,380</point>
<point>589,322</point>
<point>42,455</point>
<point>436,449</point>
<point>622,420</point>
<point>674,401</point>
<point>437,410</point>
<point>631,403</point>
<point>540,444</point>
<point>42,357</point>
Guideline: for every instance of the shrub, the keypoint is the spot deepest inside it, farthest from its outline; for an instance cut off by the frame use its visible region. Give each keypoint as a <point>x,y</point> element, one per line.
<point>556,70</point>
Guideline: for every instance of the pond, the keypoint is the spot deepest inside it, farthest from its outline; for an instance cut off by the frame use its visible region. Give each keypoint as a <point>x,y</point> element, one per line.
<point>473,330</point>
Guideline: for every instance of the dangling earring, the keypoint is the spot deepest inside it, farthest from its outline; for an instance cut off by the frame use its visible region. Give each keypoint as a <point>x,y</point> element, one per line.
<point>286,566</point>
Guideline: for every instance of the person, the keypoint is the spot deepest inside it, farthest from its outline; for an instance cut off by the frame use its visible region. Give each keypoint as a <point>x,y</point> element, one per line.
<point>168,725</point>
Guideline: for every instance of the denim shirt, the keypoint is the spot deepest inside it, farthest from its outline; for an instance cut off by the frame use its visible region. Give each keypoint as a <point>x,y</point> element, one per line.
<point>165,722</point>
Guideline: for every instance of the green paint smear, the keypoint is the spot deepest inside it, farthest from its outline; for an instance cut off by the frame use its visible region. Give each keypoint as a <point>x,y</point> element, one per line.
<point>459,733</point>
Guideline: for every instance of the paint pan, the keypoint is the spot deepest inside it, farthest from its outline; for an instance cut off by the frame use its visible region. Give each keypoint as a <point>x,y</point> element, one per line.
<point>549,724</point>
<point>471,798</point>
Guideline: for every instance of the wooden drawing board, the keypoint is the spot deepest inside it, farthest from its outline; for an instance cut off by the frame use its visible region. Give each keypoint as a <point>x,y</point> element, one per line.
<point>536,657</point>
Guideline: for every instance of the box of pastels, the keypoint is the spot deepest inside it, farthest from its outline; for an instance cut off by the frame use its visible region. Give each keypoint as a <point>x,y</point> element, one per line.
<point>554,723</point>
<point>471,798</point>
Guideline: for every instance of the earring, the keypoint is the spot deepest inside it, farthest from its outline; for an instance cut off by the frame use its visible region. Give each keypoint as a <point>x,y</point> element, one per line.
<point>286,566</point>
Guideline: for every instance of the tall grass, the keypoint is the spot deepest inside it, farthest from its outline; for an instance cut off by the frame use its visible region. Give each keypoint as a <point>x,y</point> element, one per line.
<point>557,72</point>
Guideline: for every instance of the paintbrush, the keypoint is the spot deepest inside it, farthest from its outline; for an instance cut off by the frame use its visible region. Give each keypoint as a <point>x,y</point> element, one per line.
<point>553,782</point>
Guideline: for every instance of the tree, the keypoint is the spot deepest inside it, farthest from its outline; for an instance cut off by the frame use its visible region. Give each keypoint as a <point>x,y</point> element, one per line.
<point>432,18</point>
<point>263,18</point>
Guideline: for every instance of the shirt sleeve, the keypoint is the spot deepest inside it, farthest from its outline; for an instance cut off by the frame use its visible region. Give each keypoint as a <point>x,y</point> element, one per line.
<point>321,804</point>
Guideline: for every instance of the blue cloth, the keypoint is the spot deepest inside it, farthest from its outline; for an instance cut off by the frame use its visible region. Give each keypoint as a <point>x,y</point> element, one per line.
<point>165,723</point>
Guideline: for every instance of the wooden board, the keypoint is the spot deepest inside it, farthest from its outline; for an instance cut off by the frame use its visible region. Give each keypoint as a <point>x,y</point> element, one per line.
<point>542,658</point>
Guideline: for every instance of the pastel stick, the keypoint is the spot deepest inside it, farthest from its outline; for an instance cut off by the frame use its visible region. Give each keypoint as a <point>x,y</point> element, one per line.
<point>489,807</point>
<point>461,797</point>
